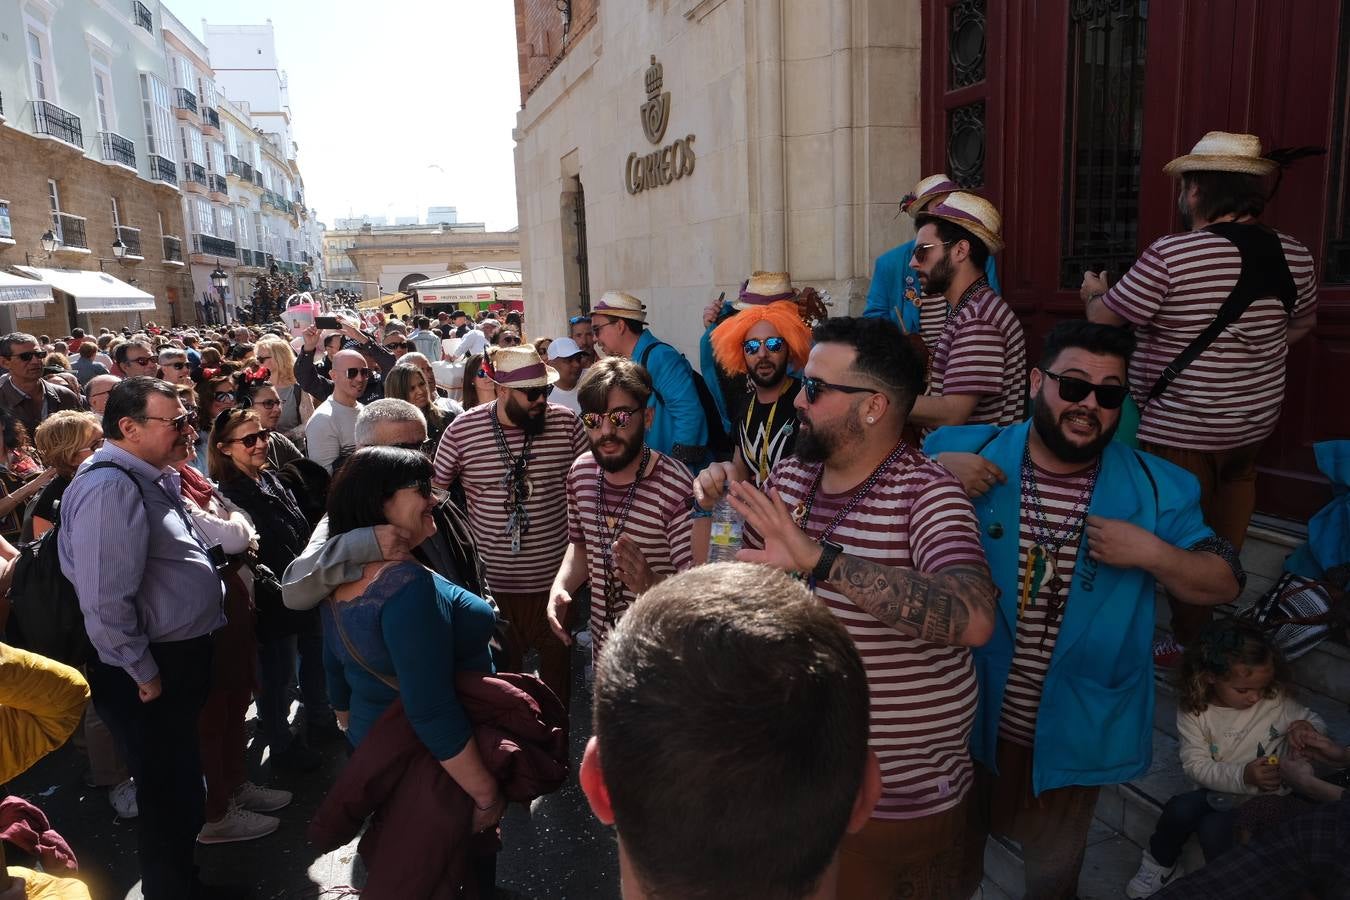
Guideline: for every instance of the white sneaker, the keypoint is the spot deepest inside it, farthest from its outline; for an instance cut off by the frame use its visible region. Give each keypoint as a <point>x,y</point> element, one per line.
<point>237,825</point>
<point>1151,878</point>
<point>123,799</point>
<point>260,799</point>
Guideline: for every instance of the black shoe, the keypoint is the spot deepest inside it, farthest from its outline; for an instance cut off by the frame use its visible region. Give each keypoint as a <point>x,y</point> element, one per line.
<point>297,758</point>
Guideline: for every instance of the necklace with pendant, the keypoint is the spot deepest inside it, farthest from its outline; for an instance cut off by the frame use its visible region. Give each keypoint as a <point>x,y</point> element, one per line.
<point>610,527</point>
<point>1047,542</point>
<point>516,481</point>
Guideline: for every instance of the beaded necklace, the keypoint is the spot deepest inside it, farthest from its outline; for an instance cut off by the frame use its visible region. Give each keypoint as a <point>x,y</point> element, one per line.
<point>977,286</point>
<point>516,481</point>
<point>1047,542</point>
<point>610,528</point>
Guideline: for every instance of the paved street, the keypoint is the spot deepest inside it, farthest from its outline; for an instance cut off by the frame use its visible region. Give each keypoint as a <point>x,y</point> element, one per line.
<point>557,850</point>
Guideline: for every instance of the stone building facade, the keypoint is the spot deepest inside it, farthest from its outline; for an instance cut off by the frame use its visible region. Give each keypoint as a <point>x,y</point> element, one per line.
<point>382,259</point>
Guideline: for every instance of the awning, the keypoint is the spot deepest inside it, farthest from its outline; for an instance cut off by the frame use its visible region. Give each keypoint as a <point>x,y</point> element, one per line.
<point>381,302</point>
<point>477,277</point>
<point>14,289</point>
<point>94,292</point>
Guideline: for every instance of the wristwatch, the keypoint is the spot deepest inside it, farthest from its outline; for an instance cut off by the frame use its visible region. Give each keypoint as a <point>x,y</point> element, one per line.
<point>829,552</point>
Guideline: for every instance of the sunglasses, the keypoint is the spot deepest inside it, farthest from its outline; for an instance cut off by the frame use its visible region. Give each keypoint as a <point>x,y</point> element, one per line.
<point>1075,390</point>
<point>180,366</point>
<point>534,393</point>
<point>577,320</point>
<point>509,340</point>
<point>353,374</point>
<point>25,356</point>
<point>921,250</point>
<point>774,344</point>
<point>177,423</point>
<point>423,487</point>
<point>617,417</point>
<point>138,360</point>
<point>251,440</point>
<point>483,373</point>
<point>263,359</point>
<point>224,397</point>
<point>813,386</point>
<point>396,345</point>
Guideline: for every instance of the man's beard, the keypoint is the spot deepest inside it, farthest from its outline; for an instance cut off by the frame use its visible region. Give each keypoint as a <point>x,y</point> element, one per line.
<point>614,460</point>
<point>520,416</point>
<point>940,277</point>
<point>773,379</point>
<point>1052,434</point>
<point>819,445</point>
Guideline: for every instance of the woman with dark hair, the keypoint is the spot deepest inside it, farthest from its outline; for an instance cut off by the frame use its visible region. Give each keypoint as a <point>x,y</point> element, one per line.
<point>255,391</point>
<point>238,460</point>
<point>215,393</point>
<point>479,387</point>
<point>400,631</point>
<point>407,382</point>
<point>21,475</point>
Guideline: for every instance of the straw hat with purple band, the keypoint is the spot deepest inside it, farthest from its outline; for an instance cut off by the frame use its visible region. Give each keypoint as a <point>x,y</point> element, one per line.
<point>930,189</point>
<point>765,287</point>
<point>618,305</point>
<point>520,367</point>
<point>1222,151</point>
<point>973,213</point>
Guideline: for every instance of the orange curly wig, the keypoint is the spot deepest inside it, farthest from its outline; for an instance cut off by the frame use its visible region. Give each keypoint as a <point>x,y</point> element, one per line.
<point>728,337</point>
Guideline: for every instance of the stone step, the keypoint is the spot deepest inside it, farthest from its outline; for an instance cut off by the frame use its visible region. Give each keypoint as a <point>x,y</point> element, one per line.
<point>1109,863</point>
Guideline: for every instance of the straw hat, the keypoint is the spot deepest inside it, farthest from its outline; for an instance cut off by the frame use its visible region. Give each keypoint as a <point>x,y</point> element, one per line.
<point>973,213</point>
<point>765,287</point>
<point>521,367</point>
<point>618,305</point>
<point>927,191</point>
<point>1221,151</point>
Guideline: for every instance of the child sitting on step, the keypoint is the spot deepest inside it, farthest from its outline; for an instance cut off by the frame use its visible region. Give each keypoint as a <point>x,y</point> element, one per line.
<point>1233,717</point>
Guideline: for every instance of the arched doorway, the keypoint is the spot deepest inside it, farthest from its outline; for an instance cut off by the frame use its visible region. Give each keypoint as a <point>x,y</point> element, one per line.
<point>410,279</point>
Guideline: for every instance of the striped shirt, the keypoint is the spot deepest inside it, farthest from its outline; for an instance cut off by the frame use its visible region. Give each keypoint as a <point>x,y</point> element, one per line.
<point>469,452</point>
<point>659,523</point>
<point>1231,395</point>
<point>1038,624</point>
<point>923,695</point>
<point>982,351</point>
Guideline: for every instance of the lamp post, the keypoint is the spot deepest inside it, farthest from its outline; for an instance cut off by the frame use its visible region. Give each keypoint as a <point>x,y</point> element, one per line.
<point>220,280</point>
<point>119,249</point>
<point>50,241</point>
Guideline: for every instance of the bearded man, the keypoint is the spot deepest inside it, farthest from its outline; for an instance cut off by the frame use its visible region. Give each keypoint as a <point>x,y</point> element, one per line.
<point>629,521</point>
<point>1078,530</point>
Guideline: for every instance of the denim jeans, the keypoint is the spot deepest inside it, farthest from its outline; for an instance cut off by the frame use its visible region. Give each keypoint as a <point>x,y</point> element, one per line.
<point>313,683</point>
<point>1187,814</point>
<point>276,672</point>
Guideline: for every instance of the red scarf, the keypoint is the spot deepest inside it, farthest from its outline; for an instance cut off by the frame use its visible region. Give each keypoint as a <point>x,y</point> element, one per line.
<point>196,487</point>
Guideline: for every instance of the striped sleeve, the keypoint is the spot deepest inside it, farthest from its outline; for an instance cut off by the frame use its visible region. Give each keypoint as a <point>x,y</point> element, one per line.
<point>1139,294</point>
<point>977,360</point>
<point>448,463</point>
<point>943,529</point>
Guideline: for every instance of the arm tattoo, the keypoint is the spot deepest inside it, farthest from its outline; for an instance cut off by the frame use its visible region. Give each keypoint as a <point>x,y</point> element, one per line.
<point>937,607</point>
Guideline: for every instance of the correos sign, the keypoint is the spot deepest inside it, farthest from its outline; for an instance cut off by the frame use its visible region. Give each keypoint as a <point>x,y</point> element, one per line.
<point>673,161</point>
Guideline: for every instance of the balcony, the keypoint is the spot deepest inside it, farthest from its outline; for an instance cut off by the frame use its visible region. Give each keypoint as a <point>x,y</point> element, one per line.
<point>210,118</point>
<point>141,16</point>
<point>70,232</point>
<point>131,239</point>
<point>257,178</point>
<point>194,175</point>
<point>53,121</point>
<point>173,250</point>
<point>207,245</point>
<point>216,184</point>
<point>253,258</point>
<point>185,99</point>
<point>164,170</point>
<point>117,149</point>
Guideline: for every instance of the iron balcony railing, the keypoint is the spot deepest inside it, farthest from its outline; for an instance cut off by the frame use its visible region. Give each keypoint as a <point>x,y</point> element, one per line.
<point>48,118</point>
<point>70,229</point>
<point>162,169</point>
<point>210,117</point>
<point>255,258</point>
<point>213,246</point>
<point>257,178</point>
<point>142,17</point>
<point>117,149</point>
<point>193,172</point>
<point>173,249</point>
<point>187,100</point>
<point>216,184</point>
<point>130,238</point>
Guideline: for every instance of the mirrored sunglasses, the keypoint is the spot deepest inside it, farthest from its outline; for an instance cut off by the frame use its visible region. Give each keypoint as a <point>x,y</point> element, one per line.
<point>619,418</point>
<point>774,345</point>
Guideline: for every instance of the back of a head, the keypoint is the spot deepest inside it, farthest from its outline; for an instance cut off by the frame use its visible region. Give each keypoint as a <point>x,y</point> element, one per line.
<point>731,714</point>
<point>382,411</point>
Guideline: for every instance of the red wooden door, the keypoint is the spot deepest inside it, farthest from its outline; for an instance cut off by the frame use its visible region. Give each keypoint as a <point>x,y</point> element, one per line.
<point>1086,100</point>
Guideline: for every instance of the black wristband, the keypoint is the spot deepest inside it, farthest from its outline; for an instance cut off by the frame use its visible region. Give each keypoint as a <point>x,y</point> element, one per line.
<point>829,552</point>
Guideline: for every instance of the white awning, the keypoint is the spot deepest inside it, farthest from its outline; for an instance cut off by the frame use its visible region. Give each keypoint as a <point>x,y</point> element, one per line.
<point>14,289</point>
<point>94,292</point>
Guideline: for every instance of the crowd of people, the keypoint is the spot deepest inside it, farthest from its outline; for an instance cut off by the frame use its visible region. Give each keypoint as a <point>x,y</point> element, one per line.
<point>940,626</point>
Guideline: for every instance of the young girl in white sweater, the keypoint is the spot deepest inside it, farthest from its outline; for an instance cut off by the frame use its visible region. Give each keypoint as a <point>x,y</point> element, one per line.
<point>1234,714</point>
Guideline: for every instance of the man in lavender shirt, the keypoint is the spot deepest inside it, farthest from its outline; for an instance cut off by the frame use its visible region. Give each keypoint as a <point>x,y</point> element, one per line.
<point>151,598</point>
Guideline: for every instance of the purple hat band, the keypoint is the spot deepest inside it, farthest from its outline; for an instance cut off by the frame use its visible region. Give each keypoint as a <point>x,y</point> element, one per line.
<point>944,211</point>
<point>942,187</point>
<point>524,373</point>
<point>762,299</point>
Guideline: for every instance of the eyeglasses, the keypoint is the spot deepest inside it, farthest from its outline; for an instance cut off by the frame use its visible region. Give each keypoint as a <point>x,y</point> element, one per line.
<point>577,320</point>
<point>424,487</point>
<point>224,397</point>
<point>597,327</point>
<point>813,386</point>
<point>180,366</point>
<point>353,374</point>
<point>251,440</point>
<point>140,360</point>
<point>617,417</point>
<point>774,344</point>
<point>483,373</point>
<point>921,250</point>
<point>534,393</point>
<point>263,359</point>
<point>268,404</point>
<point>1075,390</point>
<point>396,345</point>
<point>25,356</point>
<point>508,340</point>
<point>177,423</point>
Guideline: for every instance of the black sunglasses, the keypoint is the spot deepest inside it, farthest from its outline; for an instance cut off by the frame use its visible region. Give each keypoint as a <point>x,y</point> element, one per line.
<point>353,374</point>
<point>921,250</point>
<point>813,386</point>
<point>25,356</point>
<point>251,440</point>
<point>751,347</point>
<point>177,423</point>
<point>509,340</point>
<point>534,393</point>
<point>1075,390</point>
<point>180,366</point>
<point>140,360</point>
<point>397,345</point>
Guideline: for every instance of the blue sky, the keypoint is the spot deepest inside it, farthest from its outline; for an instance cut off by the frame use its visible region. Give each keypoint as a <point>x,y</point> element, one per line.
<point>397,105</point>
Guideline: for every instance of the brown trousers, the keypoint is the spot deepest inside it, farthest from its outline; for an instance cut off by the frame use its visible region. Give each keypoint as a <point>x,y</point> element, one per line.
<point>1227,499</point>
<point>1052,828</point>
<point>527,614</point>
<point>922,859</point>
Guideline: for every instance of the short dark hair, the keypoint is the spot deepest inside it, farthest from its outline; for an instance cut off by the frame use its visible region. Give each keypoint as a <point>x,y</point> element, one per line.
<point>950,233</point>
<point>122,350</point>
<point>14,432</point>
<point>726,687</point>
<point>366,480</point>
<point>127,400</point>
<point>607,374</point>
<point>77,332</point>
<point>1226,193</point>
<point>14,337</point>
<point>1105,340</point>
<point>883,354</point>
<point>422,322</point>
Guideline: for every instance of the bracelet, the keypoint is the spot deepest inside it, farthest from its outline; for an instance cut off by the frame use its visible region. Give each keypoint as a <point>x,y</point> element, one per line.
<point>698,512</point>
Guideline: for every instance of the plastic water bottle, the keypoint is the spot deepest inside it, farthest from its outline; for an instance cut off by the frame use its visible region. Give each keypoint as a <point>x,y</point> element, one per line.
<point>725,540</point>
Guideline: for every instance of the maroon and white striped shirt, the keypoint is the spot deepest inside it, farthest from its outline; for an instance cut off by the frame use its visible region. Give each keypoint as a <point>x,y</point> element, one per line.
<point>659,523</point>
<point>468,451</point>
<point>1038,624</point>
<point>1231,395</point>
<point>923,695</point>
<point>982,351</point>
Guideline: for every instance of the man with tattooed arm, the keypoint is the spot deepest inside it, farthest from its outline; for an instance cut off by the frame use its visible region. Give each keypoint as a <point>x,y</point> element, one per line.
<point>887,539</point>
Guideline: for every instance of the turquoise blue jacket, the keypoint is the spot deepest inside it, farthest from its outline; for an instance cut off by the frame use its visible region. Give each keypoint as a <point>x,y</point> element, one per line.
<point>895,287</point>
<point>1095,724</point>
<point>679,415</point>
